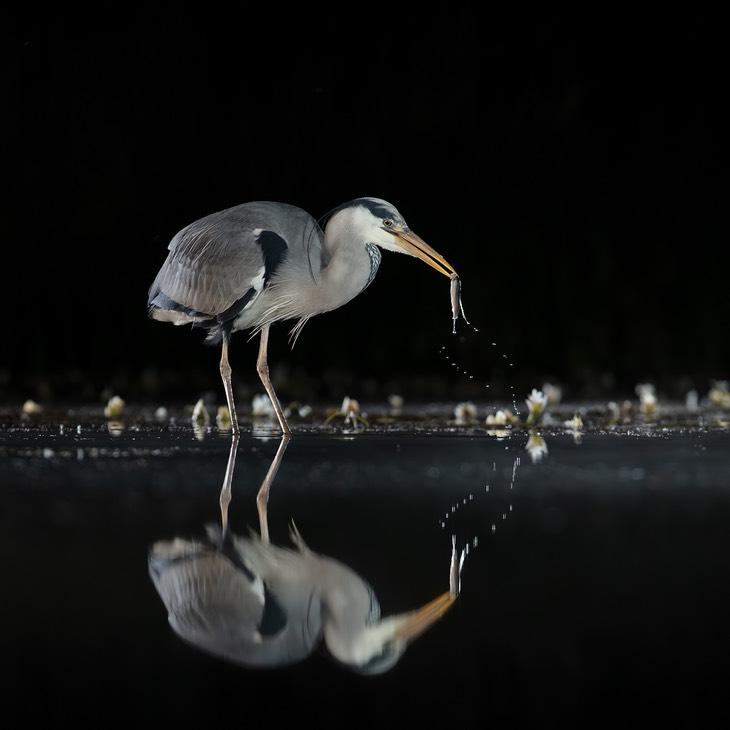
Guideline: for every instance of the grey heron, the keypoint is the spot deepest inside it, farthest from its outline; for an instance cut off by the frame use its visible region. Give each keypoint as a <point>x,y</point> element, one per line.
<point>253,603</point>
<point>258,263</point>
<point>260,605</point>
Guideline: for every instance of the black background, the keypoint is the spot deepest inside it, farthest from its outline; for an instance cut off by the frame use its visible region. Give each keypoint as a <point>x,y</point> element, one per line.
<point>570,168</point>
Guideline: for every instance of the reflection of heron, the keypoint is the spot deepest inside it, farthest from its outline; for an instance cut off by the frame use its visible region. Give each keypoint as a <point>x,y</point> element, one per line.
<point>261,605</point>
<point>258,263</point>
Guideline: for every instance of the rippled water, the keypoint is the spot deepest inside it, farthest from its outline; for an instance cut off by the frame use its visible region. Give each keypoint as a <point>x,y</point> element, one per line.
<point>593,590</point>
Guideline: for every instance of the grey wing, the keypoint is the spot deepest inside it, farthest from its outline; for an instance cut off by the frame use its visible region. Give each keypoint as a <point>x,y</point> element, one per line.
<point>204,594</point>
<point>214,262</point>
<point>216,604</point>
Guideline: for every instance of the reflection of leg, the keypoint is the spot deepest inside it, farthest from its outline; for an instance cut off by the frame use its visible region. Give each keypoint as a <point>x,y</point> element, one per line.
<point>262,498</point>
<point>225,498</point>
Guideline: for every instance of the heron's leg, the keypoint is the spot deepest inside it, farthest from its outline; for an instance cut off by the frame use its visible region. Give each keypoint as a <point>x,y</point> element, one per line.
<point>225,498</point>
<point>262,366</point>
<point>225,369</point>
<point>262,498</point>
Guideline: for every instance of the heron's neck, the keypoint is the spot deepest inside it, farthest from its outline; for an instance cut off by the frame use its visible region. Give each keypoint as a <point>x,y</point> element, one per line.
<point>352,266</point>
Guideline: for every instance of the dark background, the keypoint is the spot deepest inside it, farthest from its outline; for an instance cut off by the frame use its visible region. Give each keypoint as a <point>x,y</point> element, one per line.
<point>571,169</point>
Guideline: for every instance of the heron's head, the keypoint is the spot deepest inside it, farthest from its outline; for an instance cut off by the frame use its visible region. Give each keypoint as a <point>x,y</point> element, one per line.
<point>377,221</point>
<point>378,646</point>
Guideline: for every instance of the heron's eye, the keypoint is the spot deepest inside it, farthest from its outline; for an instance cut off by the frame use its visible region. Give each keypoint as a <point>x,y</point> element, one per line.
<point>387,223</point>
<point>389,648</point>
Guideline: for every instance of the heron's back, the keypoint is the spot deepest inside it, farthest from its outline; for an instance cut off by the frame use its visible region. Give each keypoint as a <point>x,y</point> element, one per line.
<point>220,264</point>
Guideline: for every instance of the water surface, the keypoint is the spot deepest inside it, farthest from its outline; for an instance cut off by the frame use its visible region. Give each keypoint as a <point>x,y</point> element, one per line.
<point>594,588</point>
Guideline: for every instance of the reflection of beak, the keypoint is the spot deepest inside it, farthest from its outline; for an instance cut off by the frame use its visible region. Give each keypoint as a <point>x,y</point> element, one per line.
<point>415,623</point>
<point>416,246</point>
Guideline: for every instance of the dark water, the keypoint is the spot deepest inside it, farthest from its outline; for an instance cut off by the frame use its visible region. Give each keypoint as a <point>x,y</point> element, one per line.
<point>594,589</point>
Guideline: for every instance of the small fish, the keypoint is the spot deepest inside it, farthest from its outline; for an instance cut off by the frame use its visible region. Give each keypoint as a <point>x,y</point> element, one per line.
<point>456,305</point>
<point>455,569</point>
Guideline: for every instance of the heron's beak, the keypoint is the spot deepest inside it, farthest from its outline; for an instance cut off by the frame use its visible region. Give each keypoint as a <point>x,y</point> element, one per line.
<point>416,622</point>
<point>416,246</point>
